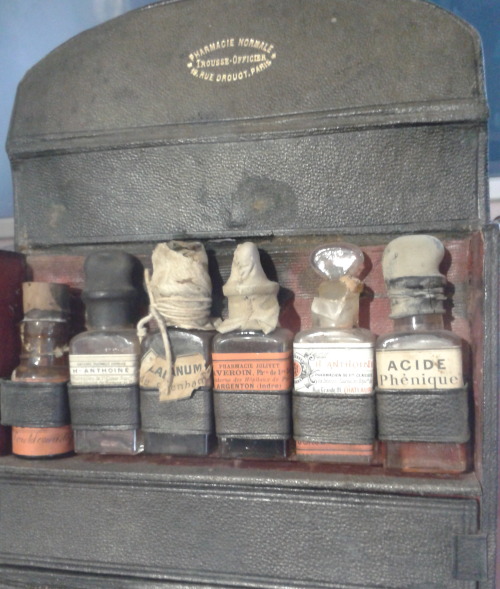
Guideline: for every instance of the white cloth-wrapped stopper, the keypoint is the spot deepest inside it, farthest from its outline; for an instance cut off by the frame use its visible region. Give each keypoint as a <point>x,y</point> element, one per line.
<point>252,297</point>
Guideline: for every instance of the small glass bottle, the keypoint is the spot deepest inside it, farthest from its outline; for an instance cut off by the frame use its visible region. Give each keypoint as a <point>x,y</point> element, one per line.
<point>333,398</point>
<point>176,364</point>
<point>104,360</point>
<point>252,359</point>
<point>421,394</point>
<point>44,359</point>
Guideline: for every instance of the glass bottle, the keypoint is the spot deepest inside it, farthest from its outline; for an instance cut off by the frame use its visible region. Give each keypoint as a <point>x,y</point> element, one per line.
<point>44,359</point>
<point>420,363</point>
<point>176,365</point>
<point>333,398</point>
<point>252,365</point>
<point>105,357</point>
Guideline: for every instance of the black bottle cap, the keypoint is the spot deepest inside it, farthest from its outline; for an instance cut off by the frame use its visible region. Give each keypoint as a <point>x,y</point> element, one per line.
<point>109,293</point>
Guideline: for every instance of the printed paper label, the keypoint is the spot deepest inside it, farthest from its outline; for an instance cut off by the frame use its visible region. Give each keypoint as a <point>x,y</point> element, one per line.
<point>253,372</point>
<point>188,374</point>
<point>419,369</point>
<point>103,369</point>
<point>324,368</point>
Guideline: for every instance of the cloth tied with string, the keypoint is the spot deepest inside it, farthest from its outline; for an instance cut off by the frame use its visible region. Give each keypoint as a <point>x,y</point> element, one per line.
<point>180,295</point>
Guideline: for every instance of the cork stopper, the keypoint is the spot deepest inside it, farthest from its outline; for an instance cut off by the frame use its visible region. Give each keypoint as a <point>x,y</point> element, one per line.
<point>45,300</point>
<point>410,265</point>
<point>252,297</point>
<point>337,303</point>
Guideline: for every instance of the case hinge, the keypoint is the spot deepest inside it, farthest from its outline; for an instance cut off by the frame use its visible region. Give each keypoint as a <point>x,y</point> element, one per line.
<point>471,557</point>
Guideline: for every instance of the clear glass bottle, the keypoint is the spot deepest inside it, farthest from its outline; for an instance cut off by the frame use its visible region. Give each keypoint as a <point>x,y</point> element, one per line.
<point>176,365</point>
<point>420,356</point>
<point>252,365</point>
<point>333,399</point>
<point>107,354</point>
<point>43,359</point>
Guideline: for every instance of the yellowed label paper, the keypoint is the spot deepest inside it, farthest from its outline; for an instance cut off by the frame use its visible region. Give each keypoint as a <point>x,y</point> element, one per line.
<point>419,369</point>
<point>188,374</point>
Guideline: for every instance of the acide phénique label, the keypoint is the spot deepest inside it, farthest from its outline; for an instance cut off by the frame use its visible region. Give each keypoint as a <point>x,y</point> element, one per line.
<point>419,369</point>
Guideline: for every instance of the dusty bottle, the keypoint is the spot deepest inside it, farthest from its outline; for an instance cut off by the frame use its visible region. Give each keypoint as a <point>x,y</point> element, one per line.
<point>176,366</point>
<point>104,360</point>
<point>333,398</point>
<point>44,360</point>
<point>252,365</point>
<point>421,398</point>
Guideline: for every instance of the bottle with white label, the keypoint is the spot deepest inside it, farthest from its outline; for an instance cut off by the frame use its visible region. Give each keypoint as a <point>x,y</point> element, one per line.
<point>176,367</point>
<point>104,360</point>
<point>252,359</point>
<point>333,397</point>
<point>421,398</point>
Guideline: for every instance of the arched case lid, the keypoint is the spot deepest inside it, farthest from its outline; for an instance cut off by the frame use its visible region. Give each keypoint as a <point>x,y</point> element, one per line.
<point>227,117</point>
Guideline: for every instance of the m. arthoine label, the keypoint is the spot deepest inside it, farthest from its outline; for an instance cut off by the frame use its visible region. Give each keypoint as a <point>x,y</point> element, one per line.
<point>324,368</point>
<point>103,369</point>
<point>439,368</point>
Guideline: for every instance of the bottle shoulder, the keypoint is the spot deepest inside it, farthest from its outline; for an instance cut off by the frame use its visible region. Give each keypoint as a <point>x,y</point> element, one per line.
<point>112,341</point>
<point>419,340</point>
<point>278,340</point>
<point>182,341</point>
<point>334,335</point>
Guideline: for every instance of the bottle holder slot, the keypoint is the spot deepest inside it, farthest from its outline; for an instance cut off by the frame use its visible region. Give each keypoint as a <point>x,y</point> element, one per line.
<point>184,416</point>
<point>330,419</point>
<point>423,416</point>
<point>104,407</point>
<point>257,415</point>
<point>26,404</point>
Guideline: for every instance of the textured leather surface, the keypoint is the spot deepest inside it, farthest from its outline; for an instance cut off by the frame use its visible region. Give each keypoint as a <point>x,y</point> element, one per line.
<point>262,416</point>
<point>326,418</point>
<point>133,72</point>
<point>185,416</point>
<point>107,407</point>
<point>137,148</point>
<point>26,404</point>
<point>234,535</point>
<point>280,186</point>
<point>423,416</point>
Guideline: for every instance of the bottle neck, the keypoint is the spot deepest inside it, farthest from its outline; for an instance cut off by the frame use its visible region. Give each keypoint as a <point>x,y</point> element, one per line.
<point>106,314</point>
<point>424,322</point>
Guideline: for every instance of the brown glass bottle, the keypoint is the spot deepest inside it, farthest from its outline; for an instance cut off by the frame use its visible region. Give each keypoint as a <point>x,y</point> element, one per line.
<point>420,366</point>
<point>44,359</point>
